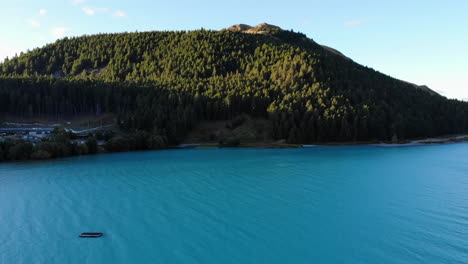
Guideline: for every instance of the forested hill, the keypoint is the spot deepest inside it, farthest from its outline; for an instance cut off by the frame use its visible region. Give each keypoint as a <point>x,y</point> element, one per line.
<point>167,82</point>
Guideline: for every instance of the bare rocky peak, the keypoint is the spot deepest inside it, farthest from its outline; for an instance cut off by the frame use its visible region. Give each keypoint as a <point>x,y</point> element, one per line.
<point>262,28</point>
<point>239,27</point>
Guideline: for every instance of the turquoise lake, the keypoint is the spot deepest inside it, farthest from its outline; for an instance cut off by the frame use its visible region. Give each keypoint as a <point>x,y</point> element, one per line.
<point>346,204</point>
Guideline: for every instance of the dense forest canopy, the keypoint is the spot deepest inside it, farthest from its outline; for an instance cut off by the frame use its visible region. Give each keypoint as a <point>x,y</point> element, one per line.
<point>166,82</point>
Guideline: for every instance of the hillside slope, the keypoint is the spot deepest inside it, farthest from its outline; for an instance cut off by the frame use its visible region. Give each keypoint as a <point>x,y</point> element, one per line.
<point>167,82</point>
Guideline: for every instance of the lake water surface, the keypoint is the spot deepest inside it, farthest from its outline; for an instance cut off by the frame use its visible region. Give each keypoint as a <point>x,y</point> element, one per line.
<point>356,204</point>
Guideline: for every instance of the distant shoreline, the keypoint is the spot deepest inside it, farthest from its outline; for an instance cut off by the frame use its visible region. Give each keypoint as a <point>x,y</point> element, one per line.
<point>406,143</point>
<point>452,139</point>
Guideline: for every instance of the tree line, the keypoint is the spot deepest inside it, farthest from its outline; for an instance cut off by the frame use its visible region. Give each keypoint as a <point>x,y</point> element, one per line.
<point>166,82</point>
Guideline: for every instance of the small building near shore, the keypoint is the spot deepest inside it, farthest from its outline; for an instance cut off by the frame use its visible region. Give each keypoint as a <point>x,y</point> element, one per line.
<point>26,130</point>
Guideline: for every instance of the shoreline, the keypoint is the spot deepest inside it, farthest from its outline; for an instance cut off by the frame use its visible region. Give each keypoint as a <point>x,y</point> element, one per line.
<point>453,139</point>
<point>407,143</point>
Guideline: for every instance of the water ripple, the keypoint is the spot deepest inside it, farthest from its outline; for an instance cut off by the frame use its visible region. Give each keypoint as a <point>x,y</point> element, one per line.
<point>322,204</point>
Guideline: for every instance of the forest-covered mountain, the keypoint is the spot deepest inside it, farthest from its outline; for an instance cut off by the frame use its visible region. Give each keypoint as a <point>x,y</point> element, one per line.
<point>167,82</point>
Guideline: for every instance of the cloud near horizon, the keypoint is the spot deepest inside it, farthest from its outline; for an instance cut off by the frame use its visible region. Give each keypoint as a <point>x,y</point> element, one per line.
<point>59,32</point>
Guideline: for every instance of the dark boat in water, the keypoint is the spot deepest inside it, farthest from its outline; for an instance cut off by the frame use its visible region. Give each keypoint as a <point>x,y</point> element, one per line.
<point>91,234</point>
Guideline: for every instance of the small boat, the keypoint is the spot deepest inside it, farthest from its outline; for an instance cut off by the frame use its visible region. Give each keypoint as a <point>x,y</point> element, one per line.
<point>91,234</point>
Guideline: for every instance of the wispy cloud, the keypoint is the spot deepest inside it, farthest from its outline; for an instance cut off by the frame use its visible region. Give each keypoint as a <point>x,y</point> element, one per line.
<point>34,23</point>
<point>92,11</point>
<point>42,12</point>
<point>354,23</point>
<point>88,11</point>
<point>58,32</point>
<point>77,2</point>
<point>119,14</point>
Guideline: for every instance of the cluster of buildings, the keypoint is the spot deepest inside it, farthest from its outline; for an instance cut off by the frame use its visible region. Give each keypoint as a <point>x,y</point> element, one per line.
<point>33,134</point>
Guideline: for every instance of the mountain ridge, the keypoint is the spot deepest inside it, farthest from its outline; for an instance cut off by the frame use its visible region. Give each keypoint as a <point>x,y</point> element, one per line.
<point>167,82</point>
<point>265,28</point>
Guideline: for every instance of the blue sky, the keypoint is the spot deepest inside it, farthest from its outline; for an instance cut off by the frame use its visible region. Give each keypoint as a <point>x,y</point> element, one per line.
<point>424,42</point>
